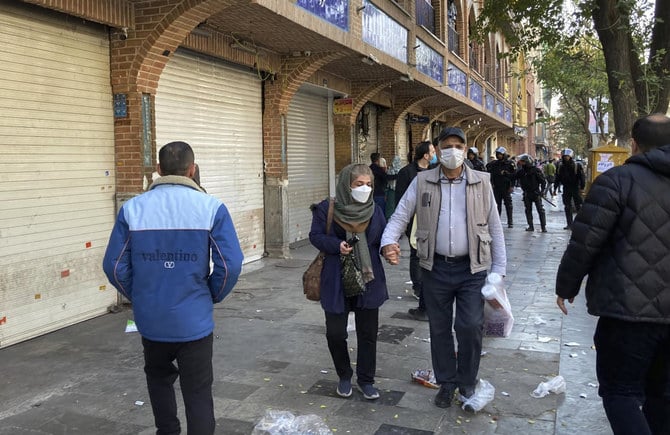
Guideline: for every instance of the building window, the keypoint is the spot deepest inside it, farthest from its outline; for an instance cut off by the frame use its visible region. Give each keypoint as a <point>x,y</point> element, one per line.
<point>452,18</point>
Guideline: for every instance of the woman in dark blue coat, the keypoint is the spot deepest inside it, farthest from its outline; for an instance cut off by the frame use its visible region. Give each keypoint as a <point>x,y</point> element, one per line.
<point>355,213</point>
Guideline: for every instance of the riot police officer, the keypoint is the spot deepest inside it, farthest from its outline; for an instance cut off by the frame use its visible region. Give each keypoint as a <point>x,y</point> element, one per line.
<point>502,171</point>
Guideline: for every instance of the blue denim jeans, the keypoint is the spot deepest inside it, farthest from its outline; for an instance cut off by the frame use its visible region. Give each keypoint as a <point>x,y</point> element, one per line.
<point>633,368</point>
<point>446,283</point>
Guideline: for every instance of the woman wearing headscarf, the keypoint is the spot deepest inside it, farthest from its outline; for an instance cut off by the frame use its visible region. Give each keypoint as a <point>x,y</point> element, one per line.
<point>355,214</point>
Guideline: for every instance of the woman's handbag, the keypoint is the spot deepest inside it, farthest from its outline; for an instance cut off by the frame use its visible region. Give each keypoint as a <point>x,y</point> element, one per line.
<point>352,277</point>
<point>311,279</point>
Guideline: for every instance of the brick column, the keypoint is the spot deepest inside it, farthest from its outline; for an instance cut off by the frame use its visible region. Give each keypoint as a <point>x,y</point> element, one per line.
<point>276,171</point>
<point>343,146</point>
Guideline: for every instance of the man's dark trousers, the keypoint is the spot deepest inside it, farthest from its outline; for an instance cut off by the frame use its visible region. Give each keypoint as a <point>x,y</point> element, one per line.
<point>449,281</point>
<point>528,200</point>
<point>194,360</point>
<point>633,368</point>
<point>503,195</point>
<point>415,274</point>
<point>570,195</point>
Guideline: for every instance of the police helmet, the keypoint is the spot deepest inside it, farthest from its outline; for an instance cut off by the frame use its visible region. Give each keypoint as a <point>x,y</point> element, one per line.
<point>528,160</point>
<point>567,152</point>
<point>473,150</point>
<point>501,150</point>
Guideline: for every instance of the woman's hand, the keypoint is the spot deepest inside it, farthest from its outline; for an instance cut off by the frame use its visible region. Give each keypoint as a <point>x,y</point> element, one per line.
<point>345,249</point>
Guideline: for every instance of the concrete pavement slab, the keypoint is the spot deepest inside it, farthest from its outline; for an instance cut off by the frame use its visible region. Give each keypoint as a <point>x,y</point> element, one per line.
<point>270,352</point>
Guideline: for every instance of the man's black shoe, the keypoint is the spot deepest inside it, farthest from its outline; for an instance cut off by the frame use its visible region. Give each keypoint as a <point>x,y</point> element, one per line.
<point>418,314</point>
<point>530,229</point>
<point>544,230</point>
<point>445,396</point>
<point>567,227</point>
<point>510,226</point>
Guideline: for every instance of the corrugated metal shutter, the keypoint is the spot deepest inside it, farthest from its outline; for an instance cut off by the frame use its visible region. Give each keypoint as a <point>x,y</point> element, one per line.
<point>57,172</point>
<point>217,110</point>
<point>307,151</point>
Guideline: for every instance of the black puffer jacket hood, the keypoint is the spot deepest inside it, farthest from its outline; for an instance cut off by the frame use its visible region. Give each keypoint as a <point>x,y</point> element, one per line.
<point>621,240</point>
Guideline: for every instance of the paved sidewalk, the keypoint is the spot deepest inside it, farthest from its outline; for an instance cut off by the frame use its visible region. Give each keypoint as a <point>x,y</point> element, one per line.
<point>270,352</point>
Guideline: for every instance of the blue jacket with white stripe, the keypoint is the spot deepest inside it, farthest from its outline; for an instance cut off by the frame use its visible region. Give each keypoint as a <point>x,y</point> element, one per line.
<point>158,257</point>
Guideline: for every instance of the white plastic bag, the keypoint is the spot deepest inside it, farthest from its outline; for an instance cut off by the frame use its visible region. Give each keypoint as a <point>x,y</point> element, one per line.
<point>484,394</point>
<point>498,318</point>
<point>285,423</point>
<point>555,385</point>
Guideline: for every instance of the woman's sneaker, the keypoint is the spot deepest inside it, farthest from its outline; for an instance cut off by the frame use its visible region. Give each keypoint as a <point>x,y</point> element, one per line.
<point>369,392</point>
<point>344,388</point>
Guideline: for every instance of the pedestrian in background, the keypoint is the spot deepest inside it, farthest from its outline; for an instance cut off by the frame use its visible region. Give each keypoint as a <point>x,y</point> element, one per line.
<point>570,175</point>
<point>473,158</point>
<point>392,176</point>
<point>621,240</point>
<point>158,257</point>
<point>424,158</point>
<point>533,184</point>
<point>459,238</point>
<point>380,180</point>
<point>549,170</point>
<point>502,171</point>
<point>355,214</point>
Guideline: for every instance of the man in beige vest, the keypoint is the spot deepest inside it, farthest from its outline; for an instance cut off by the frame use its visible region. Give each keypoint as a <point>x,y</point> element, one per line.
<point>459,238</point>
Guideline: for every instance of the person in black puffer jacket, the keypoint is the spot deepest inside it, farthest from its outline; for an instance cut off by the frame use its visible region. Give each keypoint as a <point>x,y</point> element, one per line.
<point>621,240</point>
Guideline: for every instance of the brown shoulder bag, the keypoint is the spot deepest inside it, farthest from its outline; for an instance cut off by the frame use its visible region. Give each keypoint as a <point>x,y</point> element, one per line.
<point>311,279</point>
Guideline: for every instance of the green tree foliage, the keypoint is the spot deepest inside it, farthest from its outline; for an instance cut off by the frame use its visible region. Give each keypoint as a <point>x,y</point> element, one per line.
<point>634,38</point>
<point>576,72</point>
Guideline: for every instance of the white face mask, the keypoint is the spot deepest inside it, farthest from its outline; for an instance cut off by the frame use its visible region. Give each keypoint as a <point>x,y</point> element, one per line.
<point>361,193</point>
<point>452,158</point>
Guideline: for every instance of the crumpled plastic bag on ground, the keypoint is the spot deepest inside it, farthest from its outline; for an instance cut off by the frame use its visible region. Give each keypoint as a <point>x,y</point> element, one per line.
<point>425,377</point>
<point>285,423</point>
<point>555,385</point>
<point>484,394</point>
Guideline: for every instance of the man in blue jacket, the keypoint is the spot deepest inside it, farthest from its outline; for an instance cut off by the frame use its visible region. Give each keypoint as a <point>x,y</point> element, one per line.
<point>158,257</point>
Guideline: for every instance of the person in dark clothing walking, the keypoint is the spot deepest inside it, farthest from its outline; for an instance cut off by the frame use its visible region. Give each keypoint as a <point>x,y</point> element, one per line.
<point>424,158</point>
<point>533,184</point>
<point>570,175</point>
<point>620,240</point>
<point>380,180</point>
<point>473,157</point>
<point>502,170</point>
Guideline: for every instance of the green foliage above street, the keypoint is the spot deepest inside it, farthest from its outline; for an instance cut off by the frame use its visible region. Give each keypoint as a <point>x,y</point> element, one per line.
<point>633,37</point>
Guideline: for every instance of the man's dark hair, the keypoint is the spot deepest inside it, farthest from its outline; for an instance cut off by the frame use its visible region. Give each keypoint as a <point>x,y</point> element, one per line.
<point>651,131</point>
<point>374,157</point>
<point>175,158</point>
<point>422,148</point>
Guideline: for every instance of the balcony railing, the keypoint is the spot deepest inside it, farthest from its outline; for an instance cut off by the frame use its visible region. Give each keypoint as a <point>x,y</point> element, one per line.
<point>453,40</point>
<point>425,15</point>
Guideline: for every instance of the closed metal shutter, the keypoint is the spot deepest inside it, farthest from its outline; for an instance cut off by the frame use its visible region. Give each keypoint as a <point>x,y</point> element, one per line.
<point>57,172</point>
<point>307,152</point>
<point>217,110</point>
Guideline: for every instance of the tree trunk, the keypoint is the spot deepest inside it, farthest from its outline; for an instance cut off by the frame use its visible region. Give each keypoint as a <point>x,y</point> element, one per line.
<point>660,47</point>
<point>617,49</point>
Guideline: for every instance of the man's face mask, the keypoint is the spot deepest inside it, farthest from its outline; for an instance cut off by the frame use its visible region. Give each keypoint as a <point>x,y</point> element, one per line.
<point>451,158</point>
